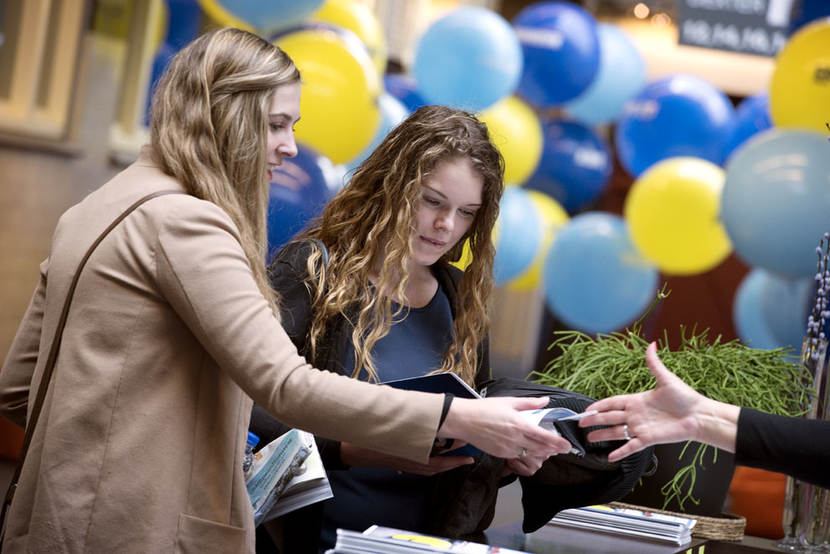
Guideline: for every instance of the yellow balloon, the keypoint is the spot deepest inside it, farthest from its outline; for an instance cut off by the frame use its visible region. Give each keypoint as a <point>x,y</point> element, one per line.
<point>800,86</point>
<point>467,255</point>
<point>517,133</point>
<point>672,212</point>
<point>553,217</point>
<point>358,18</point>
<point>338,106</point>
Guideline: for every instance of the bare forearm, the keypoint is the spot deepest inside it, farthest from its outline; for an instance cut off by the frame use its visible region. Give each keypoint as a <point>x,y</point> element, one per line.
<point>717,424</point>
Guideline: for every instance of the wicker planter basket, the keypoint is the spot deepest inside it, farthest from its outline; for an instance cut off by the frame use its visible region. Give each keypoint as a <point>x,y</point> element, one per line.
<point>728,527</point>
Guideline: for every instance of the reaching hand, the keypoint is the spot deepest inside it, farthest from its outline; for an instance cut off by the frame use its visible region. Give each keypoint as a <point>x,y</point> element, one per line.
<point>353,455</point>
<point>495,426</point>
<point>526,465</point>
<point>667,413</point>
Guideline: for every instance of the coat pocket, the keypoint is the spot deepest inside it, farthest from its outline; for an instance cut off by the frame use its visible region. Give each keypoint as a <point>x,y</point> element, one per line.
<point>197,536</point>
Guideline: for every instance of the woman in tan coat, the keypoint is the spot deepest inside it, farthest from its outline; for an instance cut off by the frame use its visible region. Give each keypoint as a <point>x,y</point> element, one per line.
<point>173,331</point>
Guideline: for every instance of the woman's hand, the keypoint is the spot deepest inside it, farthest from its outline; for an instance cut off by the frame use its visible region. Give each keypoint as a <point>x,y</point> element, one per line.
<point>356,456</point>
<point>495,426</point>
<point>671,412</point>
<point>525,466</point>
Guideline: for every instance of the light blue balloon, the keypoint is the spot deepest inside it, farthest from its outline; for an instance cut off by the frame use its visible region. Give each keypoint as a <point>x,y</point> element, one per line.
<point>770,311</point>
<point>392,112</point>
<point>621,75</point>
<point>679,115</point>
<point>775,203</point>
<point>469,59</point>
<point>594,278</point>
<point>271,15</point>
<point>747,314</point>
<point>519,235</point>
<point>784,306</point>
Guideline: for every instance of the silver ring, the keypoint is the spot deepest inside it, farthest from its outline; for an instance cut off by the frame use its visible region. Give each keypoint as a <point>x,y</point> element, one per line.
<point>523,452</point>
<point>625,432</point>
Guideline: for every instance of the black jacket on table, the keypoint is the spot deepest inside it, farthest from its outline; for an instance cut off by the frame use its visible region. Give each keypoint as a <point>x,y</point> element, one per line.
<point>795,446</point>
<point>289,276</point>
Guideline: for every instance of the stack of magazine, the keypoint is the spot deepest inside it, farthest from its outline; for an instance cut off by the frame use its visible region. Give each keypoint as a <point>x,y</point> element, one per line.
<point>286,474</point>
<point>628,522</point>
<point>386,540</point>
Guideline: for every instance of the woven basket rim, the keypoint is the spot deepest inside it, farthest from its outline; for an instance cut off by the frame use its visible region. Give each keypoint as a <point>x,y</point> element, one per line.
<point>727,527</point>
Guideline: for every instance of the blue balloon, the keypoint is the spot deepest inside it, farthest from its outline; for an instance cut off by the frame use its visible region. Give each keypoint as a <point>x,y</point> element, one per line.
<point>561,52</point>
<point>519,235</point>
<point>184,21</point>
<point>680,115</point>
<point>404,89</point>
<point>751,117</point>
<point>300,189</point>
<point>575,165</point>
<point>595,279</point>
<point>162,58</point>
<point>771,311</point>
<point>807,11</point>
<point>264,16</point>
<point>750,324</point>
<point>621,75</point>
<point>469,59</point>
<point>784,306</point>
<point>775,202</point>
<point>184,18</point>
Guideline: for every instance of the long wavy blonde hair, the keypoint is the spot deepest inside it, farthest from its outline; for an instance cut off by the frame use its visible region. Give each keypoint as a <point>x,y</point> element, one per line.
<point>372,218</point>
<point>209,127</point>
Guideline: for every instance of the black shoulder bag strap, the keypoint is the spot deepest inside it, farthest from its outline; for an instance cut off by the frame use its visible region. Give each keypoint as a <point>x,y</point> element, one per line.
<point>53,355</point>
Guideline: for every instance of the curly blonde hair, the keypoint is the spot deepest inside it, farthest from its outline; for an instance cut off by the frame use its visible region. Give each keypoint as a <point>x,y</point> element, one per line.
<point>373,218</point>
<point>209,127</point>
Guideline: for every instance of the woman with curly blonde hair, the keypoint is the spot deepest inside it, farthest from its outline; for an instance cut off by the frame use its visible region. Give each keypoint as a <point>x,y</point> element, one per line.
<point>369,291</point>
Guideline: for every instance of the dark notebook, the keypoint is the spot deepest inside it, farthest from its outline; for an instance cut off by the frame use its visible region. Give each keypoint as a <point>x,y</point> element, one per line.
<point>441,383</point>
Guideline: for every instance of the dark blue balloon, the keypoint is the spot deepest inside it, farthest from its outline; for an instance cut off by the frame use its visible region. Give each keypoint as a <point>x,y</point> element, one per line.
<point>300,189</point>
<point>404,89</point>
<point>806,11</point>
<point>679,115</point>
<point>575,165</point>
<point>560,45</point>
<point>163,56</point>
<point>751,117</point>
<point>184,22</point>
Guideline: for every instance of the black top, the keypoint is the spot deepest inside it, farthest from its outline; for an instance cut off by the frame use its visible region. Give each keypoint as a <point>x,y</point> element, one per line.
<point>795,446</point>
<point>289,276</point>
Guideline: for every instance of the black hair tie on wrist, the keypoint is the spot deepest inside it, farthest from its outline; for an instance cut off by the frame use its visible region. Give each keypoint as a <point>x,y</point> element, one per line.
<point>446,409</point>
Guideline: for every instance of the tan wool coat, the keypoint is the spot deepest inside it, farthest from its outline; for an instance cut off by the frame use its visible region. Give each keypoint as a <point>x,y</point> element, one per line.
<point>139,444</point>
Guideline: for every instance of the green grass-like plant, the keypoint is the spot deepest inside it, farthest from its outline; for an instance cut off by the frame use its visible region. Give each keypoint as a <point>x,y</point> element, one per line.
<point>610,364</point>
